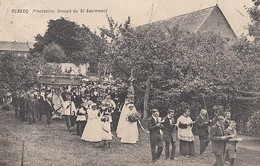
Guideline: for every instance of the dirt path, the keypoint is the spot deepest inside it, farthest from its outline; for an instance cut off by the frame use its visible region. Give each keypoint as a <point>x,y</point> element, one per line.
<point>250,143</point>
<point>53,145</point>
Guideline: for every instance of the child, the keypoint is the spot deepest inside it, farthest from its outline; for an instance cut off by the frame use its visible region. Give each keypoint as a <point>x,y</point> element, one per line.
<point>231,148</point>
<point>69,111</point>
<point>105,124</point>
<point>81,119</point>
<point>93,131</point>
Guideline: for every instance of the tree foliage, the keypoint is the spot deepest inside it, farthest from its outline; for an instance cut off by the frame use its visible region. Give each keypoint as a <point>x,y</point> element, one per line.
<point>253,124</point>
<point>53,53</point>
<point>20,73</point>
<point>185,69</point>
<point>79,44</point>
<point>254,26</point>
<point>248,52</point>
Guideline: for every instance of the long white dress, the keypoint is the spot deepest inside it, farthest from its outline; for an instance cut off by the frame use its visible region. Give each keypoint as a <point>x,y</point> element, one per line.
<point>120,127</point>
<point>127,131</point>
<point>106,135</point>
<point>92,131</point>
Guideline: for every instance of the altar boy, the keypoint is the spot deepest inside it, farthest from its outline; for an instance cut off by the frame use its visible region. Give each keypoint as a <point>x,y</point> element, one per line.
<point>81,119</point>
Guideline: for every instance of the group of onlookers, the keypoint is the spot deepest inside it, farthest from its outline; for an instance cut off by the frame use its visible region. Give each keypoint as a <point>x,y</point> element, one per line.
<point>31,106</point>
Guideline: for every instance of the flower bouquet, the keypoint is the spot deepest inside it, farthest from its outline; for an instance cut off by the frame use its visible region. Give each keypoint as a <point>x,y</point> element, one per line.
<point>105,118</point>
<point>133,117</point>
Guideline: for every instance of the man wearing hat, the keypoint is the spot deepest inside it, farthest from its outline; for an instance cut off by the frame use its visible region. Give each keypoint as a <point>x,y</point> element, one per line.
<point>169,134</point>
<point>156,140</point>
<point>218,139</point>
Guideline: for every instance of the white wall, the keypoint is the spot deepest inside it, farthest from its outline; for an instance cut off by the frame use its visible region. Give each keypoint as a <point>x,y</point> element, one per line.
<point>80,69</point>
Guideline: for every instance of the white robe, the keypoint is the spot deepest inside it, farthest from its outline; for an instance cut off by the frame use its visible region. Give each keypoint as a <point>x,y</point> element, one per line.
<point>57,103</point>
<point>69,108</point>
<point>185,134</point>
<point>127,131</point>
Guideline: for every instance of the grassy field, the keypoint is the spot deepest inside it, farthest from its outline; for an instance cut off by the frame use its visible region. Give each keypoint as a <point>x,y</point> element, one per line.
<point>54,146</point>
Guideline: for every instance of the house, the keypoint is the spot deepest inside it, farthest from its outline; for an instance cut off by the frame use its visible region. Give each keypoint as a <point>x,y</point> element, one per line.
<point>19,48</point>
<point>209,20</point>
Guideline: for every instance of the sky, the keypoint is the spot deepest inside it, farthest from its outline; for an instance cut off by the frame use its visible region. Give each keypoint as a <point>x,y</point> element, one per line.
<point>23,27</point>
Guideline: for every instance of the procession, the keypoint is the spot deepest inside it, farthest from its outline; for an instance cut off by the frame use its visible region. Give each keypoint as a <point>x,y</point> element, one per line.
<point>99,111</point>
<point>136,82</point>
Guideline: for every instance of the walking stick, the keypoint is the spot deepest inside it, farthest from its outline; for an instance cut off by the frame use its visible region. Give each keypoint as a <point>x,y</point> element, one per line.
<point>22,155</point>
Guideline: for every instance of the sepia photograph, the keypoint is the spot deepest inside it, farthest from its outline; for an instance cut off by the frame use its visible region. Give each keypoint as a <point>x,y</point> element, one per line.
<point>130,83</point>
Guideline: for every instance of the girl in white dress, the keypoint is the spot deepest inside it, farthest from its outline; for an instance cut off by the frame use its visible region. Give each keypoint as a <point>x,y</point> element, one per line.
<point>106,135</point>
<point>127,131</point>
<point>93,131</point>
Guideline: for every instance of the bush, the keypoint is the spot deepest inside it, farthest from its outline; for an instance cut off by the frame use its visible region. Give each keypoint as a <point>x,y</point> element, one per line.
<point>253,124</point>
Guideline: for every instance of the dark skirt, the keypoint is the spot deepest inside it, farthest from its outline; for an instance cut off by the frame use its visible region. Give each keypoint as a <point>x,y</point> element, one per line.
<point>187,148</point>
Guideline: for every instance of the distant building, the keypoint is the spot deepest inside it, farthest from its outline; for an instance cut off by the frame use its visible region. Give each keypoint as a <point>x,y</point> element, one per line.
<point>209,20</point>
<point>73,69</point>
<point>19,48</point>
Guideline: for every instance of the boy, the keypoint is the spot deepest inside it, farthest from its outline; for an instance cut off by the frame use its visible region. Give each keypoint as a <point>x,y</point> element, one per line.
<point>231,148</point>
<point>218,140</point>
<point>156,140</point>
<point>169,134</point>
<point>81,119</point>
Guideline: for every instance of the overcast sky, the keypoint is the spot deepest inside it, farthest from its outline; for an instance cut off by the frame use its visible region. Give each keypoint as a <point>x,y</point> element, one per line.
<point>23,27</point>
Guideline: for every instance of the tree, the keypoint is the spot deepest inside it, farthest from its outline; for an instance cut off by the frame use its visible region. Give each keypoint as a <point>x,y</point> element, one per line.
<point>78,42</point>
<point>254,123</point>
<point>254,26</point>
<point>248,51</point>
<point>178,69</point>
<point>20,73</point>
<point>53,53</point>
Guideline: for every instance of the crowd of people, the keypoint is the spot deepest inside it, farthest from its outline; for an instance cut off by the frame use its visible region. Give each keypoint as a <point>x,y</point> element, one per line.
<point>94,108</point>
<point>101,111</point>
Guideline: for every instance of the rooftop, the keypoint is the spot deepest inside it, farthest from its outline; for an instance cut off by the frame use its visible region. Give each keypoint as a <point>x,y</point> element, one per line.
<point>189,21</point>
<point>15,46</point>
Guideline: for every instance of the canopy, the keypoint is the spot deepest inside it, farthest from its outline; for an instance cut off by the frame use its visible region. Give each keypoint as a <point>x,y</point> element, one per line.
<point>59,80</point>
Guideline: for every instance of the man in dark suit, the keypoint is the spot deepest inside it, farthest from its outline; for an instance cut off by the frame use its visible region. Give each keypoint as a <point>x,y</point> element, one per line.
<point>169,134</point>
<point>22,105</point>
<point>47,108</point>
<point>154,126</point>
<point>15,102</point>
<point>202,123</point>
<point>218,139</point>
<point>31,107</point>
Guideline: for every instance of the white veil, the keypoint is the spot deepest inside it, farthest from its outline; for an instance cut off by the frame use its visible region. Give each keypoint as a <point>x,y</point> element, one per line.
<point>123,119</point>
